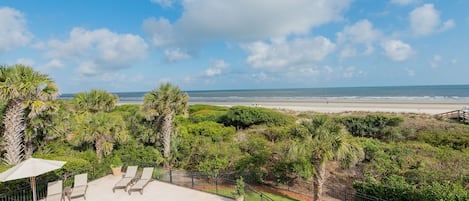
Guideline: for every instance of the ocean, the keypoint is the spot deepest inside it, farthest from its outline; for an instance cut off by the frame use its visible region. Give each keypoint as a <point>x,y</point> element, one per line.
<point>388,93</point>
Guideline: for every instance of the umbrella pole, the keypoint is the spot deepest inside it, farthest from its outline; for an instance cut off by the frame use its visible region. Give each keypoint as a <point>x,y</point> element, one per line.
<point>33,187</point>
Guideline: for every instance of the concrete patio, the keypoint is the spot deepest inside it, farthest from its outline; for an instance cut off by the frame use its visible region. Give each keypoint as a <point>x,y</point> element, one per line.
<point>101,190</point>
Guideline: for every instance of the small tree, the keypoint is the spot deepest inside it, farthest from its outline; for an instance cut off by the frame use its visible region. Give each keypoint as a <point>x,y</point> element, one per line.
<point>239,193</point>
<point>328,141</point>
<point>101,129</point>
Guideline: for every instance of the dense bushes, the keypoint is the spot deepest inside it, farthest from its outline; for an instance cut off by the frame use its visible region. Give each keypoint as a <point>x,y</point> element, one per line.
<point>396,188</point>
<point>413,171</point>
<point>374,126</point>
<point>206,146</point>
<point>456,138</point>
<point>244,117</point>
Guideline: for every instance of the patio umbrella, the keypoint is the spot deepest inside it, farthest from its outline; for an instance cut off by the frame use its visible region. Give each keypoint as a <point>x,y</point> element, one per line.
<point>31,168</point>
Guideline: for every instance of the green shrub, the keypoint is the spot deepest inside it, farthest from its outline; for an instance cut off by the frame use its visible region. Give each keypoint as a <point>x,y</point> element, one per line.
<point>375,126</point>
<point>396,188</point>
<point>454,138</point>
<point>199,107</point>
<point>134,154</point>
<point>244,117</point>
<point>206,115</point>
<point>256,159</point>
<point>213,130</point>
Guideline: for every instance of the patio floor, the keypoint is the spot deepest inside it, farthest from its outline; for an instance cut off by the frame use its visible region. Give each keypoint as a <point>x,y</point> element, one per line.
<point>101,190</point>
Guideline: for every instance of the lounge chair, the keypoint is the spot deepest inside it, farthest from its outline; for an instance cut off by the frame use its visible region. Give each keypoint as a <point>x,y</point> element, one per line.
<point>143,181</point>
<point>126,179</point>
<point>80,185</point>
<point>54,191</point>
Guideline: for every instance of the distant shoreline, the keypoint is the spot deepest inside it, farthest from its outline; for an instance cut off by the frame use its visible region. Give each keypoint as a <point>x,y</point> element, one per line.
<point>336,106</point>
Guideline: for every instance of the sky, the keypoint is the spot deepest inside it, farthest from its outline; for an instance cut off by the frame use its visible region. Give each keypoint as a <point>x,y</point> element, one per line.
<point>135,45</point>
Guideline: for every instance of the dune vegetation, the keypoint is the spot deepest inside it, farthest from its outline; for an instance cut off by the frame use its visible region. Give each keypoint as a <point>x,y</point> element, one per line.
<point>395,156</point>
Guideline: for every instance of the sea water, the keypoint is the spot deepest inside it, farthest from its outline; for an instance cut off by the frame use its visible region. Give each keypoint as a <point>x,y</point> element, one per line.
<point>388,93</point>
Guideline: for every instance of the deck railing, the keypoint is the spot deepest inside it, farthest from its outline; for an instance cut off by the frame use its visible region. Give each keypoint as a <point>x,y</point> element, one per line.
<point>223,184</point>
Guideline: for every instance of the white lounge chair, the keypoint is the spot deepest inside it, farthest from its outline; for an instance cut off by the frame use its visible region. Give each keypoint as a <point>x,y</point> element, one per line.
<point>143,181</point>
<point>80,185</point>
<point>126,179</point>
<point>54,191</point>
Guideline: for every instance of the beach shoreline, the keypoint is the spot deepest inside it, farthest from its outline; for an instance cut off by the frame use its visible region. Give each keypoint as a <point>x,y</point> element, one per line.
<point>431,107</point>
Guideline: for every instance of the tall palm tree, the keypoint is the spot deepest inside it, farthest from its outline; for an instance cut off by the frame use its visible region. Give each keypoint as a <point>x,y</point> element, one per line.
<point>22,87</point>
<point>101,129</point>
<point>95,101</point>
<point>161,106</point>
<point>328,141</point>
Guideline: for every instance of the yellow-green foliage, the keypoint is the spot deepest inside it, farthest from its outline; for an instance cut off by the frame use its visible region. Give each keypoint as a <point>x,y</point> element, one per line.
<point>396,171</point>
<point>206,146</point>
<point>199,107</point>
<point>244,117</point>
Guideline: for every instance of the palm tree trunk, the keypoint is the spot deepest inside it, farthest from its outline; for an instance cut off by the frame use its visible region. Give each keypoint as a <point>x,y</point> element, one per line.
<point>166,130</point>
<point>99,147</point>
<point>28,144</point>
<point>319,179</point>
<point>14,128</point>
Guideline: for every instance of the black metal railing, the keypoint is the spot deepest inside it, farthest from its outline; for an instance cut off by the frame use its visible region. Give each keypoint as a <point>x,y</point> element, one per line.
<point>222,184</point>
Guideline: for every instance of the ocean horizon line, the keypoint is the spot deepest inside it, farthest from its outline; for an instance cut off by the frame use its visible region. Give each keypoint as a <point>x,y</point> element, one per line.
<point>292,88</point>
<point>406,93</point>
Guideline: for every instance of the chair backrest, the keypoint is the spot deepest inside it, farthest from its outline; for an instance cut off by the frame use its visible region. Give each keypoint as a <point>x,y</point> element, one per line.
<point>54,187</point>
<point>131,171</point>
<point>81,180</point>
<point>147,173</point>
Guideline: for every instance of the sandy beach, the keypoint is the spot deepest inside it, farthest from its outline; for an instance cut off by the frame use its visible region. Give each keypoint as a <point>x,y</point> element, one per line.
<point>337,106</point>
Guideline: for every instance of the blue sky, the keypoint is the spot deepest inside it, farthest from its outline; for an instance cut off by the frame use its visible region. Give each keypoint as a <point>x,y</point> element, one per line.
<point>134,45</point>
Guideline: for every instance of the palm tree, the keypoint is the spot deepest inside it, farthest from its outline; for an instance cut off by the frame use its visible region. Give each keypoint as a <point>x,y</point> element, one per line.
<point>22,87</point>
<point>101,129</point>
<point>95,101</point>
<point>328,141</point>
<point>161,106</point>
<point>39,126</point>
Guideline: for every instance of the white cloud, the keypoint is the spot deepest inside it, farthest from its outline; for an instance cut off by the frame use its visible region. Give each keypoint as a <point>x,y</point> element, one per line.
<point>54,63</point>
<point>425,20</point>
<point>13,30</point>
<point>280,53</point>
<point>361,32</point>
<point>216,68</point>
<point>51,65</point>
<point>397,50</point>
<point>25,61</point>
<point>448,25</point>
<point>436,60</point>
<point>160,30</point>
<point>404,2</point>
<point>454,61</point>
<point>164,3</point>
<point>243,20</point>
<point>348,52</point>
<point>98,51</point>
<point>175,54</point>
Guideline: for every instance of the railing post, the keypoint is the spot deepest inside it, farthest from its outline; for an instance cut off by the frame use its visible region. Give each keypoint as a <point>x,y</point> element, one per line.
<point>192,175</point>
<point>170,176</point>
<point>216,184</point>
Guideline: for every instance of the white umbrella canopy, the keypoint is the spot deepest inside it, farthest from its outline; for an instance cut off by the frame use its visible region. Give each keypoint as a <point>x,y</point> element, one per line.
<point>31,167</point>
